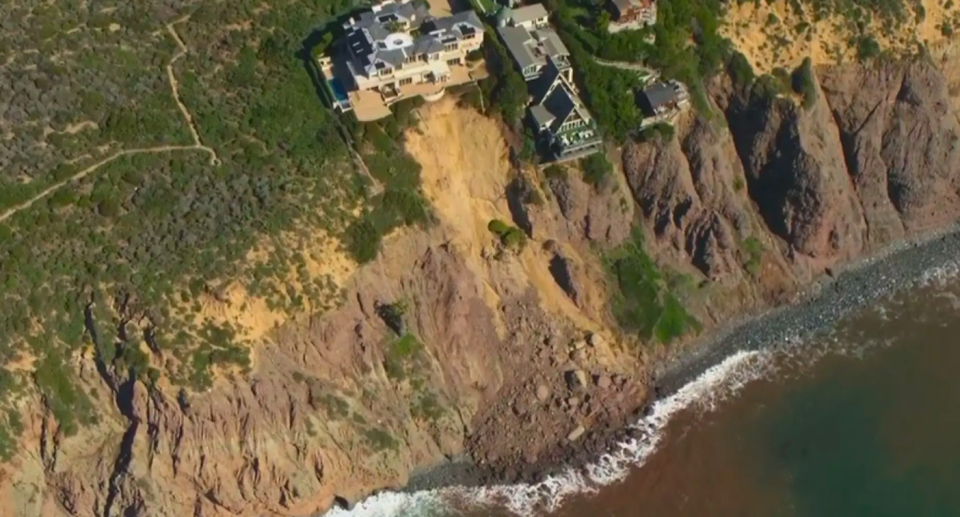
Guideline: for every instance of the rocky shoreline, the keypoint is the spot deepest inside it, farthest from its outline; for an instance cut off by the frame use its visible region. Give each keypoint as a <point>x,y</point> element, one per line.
<point>838,294</point>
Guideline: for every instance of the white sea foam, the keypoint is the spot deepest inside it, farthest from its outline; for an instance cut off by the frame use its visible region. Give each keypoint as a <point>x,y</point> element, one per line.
<point>940,275</point>
<point>702,394</point>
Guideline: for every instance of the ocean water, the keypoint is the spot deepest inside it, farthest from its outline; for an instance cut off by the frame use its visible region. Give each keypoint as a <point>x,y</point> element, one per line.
<point>861,421</point>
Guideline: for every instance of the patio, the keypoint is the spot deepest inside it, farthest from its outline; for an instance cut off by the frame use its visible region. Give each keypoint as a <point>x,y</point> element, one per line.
<point>371,105</point>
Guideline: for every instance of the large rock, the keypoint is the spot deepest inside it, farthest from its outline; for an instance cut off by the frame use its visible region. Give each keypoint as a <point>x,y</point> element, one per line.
<point>900,138</point>
<point>686,188</point>
<point>796,174</point>
<point>600,215</point>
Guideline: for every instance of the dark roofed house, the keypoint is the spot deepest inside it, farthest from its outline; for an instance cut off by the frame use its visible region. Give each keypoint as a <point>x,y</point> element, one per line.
<point>662,97</point>
<point>559,116</point>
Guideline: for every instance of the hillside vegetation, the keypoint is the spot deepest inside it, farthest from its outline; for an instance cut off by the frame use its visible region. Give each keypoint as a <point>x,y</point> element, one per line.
<point>123,215</point>
<point>782,33</point>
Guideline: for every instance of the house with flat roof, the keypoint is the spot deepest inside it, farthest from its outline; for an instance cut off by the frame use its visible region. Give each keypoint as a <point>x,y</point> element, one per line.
<point>631,14</point>
<point>530,40</point>
<point>397,50</point>
<point>661,98</point>
<point>559,117</point>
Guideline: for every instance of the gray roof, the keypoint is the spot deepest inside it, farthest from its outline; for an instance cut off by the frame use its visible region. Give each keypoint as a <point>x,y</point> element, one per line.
<point>532,47</point>
<point>518,42</point>
<point>463,23</point>
<point>659,94</point>
<point>552,43</point>
<point>425,45</point>
<point>528,13</point>
<point>376,46</point>
<point>412,12</point>
<point>541,116</point>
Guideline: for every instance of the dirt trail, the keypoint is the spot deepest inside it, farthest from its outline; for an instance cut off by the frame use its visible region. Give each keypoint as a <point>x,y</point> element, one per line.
<point>174,86</point>
<point>197,143</point>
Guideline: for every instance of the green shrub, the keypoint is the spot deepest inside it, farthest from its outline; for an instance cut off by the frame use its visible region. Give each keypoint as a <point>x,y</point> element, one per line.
<point>427,407</point>
<point>498,227</point>
<point>475,55</point>
<point>507,90</point>
<point>380,440</point>
<point>401,355</point>
<point>739,184</point>
<point>642,302</point>
<point>555,172</point>
<point>10,432</point>
<point>510,236</point>
<point>767,87</point>
<point>867,48</point>
<point>740,69</point>
<point>659,132</point>
<point>597,169</point>
<point>802,82</point>
<point>754,259</point>
<point>335,407</point>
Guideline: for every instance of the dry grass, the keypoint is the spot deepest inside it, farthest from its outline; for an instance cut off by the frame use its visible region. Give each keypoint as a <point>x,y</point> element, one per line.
<point>772,34</point>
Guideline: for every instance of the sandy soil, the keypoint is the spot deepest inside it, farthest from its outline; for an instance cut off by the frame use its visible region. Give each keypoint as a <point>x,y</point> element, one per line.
<point>767,33</point>
<point>466,169</point>
<point>251,315</point>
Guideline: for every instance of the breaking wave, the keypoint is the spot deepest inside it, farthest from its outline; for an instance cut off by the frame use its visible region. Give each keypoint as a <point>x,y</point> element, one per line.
<point>702,394</point>
<point>791,355</point>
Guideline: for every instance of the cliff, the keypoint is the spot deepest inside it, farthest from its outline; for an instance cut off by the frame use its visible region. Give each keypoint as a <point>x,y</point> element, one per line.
<point>453,343</point>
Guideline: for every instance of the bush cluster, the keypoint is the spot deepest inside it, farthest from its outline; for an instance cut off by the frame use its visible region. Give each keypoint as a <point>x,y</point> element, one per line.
<point>510,236</point>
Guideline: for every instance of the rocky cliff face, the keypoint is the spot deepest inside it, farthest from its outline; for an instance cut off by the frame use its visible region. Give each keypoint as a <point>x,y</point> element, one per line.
<point>873,159</point>
<point>505,354</point>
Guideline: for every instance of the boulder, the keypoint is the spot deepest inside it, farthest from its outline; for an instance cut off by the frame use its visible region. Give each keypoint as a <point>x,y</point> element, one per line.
<point>603,381</point>
<point>576,379</point>
<point>576,433</point>
<point>543,393</point>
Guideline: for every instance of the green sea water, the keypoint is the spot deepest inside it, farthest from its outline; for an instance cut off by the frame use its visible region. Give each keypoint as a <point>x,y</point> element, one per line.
<point>862,423</point>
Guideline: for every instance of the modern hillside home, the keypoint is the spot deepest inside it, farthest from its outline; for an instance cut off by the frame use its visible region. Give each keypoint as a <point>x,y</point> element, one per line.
<point>397,50</point>
<point>560,119</point>
<point>530,40</point>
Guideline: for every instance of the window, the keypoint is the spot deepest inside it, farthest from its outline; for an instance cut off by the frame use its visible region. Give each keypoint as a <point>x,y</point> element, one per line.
<point>386,71</point>
<point>453,61</point>
<point>451,47</point>
<point>405,81</point>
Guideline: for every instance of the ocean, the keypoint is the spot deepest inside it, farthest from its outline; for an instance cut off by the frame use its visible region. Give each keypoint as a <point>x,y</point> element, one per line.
<point>861,420</point>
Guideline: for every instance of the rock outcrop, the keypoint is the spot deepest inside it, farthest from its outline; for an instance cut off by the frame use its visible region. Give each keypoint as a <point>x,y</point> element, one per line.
<point>794,165</point>
<point>901,142</point>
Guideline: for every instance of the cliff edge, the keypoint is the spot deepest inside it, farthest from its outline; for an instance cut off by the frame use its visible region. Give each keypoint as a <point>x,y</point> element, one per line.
<point>455,341</point>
